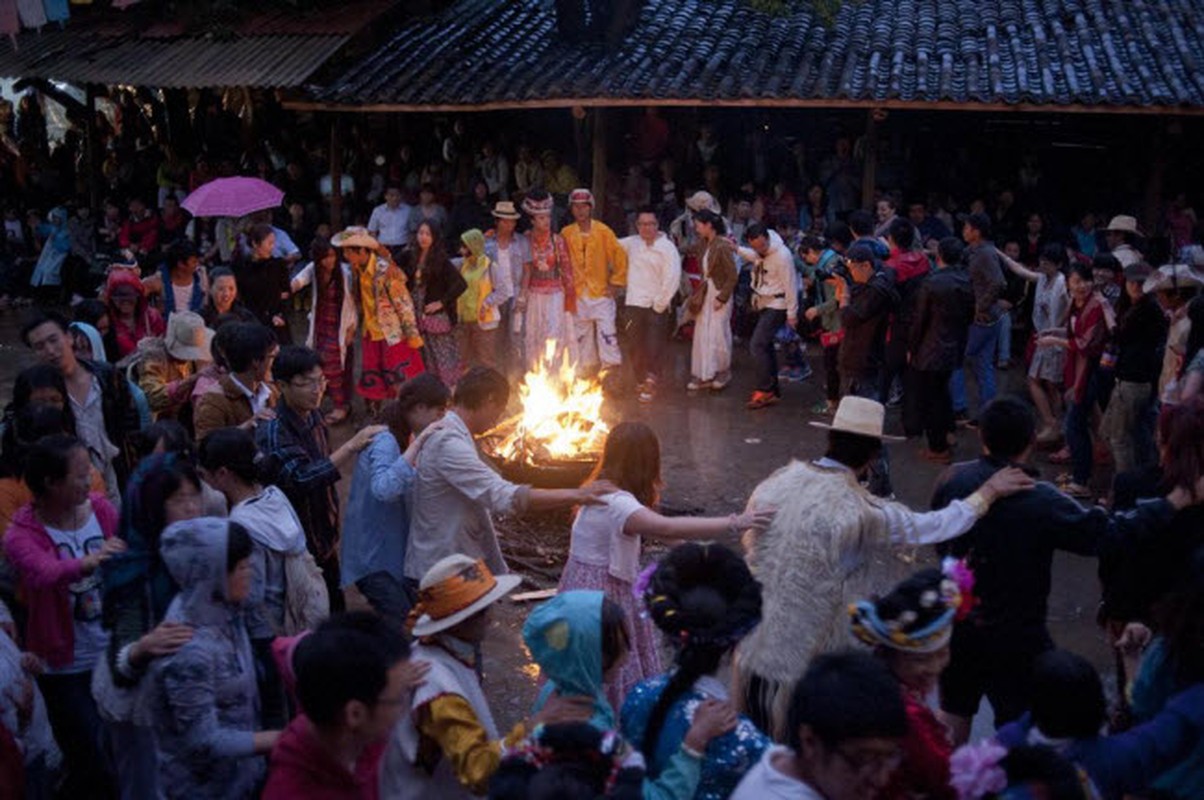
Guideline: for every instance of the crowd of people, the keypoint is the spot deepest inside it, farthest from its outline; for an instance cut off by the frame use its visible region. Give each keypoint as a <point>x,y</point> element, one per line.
<point>190,610</point>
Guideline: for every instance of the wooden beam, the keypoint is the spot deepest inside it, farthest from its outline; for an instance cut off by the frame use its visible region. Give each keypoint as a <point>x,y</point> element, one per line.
<point>774,102</point>
<point>598,163</point>
<point>869,169</point>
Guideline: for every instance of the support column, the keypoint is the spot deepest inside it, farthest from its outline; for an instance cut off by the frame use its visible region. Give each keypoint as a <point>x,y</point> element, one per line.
<point>90,161</point>
<point>336,175</point>
<point>598,164</point>
<point>869,170</point>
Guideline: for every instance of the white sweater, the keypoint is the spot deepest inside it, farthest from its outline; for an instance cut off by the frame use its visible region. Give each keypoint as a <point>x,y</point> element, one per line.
<point>653,272</point>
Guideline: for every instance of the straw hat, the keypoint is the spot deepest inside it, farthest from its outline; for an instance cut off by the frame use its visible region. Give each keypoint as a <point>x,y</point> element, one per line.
<point>187,337</point>
<point>355,236</point>
<point>504,209</point>
<point>1122,223</point>
<point>860,416</point>
<point>454,589</point>
<point>1171,277</point>
<point>700,200</point>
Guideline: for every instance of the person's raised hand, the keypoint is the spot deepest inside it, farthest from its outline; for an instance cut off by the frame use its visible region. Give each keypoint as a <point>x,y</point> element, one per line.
<point>1133,639</point>
<point>756,520</point>
<point>712,718</point>
<point>364,436</point>
<point>1006,482</point>
<point>165,639</point>
<point>592,494</point>
<point>413,673</point>
<point>811,313</point>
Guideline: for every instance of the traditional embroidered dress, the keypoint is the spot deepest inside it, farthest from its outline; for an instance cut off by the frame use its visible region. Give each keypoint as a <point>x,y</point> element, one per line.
<point>442,349</point>
<point>711,356</point>
<point>551,300</point>
<point>727,758</point>
<point>390,340</point>
<point>328,314</point>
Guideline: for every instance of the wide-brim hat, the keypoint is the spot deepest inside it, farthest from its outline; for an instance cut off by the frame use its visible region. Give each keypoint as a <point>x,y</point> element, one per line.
<point>455,589</point>
<point>504,209</point>
<point>1138,272</point>
<point>355,237</point>
<point>1123,223</point>
<point>861,416</point>
<point>702,200</point>
<point>187,338</point>
<point>1172,277</point>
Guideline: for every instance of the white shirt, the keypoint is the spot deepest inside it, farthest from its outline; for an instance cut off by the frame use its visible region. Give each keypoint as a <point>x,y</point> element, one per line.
<point>90,429</point>
<point>774,278</point>
<point>84,595</point>
<point>391,226</point>
<point>653,272</point>
<point>765,782</point>
<point>598,538</point>
<point>259,398</point>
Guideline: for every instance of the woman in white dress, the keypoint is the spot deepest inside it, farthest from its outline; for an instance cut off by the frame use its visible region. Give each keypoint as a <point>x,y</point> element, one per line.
<point>547,298</point>
<point>711,306</point>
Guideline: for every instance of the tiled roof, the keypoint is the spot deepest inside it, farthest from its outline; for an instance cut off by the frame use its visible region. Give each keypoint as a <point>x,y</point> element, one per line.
<point>1056,53</point>
<point>272,49</point>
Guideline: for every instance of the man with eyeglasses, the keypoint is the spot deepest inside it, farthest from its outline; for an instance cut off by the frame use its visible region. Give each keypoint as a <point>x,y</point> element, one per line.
<point>845,728</point>
<point>653,278</point>
<point>300,462</point>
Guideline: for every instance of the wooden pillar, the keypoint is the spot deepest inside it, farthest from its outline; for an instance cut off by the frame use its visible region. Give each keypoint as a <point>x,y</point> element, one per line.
<point>869,170</point>
<point>91,164</point>
<point>336,175</point>
<point>1155,181</point>
<point>598,164</point>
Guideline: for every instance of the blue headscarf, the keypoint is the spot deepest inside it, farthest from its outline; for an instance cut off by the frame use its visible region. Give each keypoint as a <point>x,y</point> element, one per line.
<point>564,636</point>
<point>98,345</point>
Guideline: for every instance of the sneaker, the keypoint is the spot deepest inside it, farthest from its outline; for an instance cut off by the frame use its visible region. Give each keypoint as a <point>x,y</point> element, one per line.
<point>935,457</point>
<point>790,374</point>
<point>826,409</point>
<point>1004,365</point>
<point>761,400</point>
<point>646,391</point>
<point>720,385</point>
<point>972,424</point>
<point>896,396</point>
<point>696,385</point>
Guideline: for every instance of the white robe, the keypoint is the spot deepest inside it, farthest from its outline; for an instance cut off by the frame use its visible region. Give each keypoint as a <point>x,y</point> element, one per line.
<point>711,356</point>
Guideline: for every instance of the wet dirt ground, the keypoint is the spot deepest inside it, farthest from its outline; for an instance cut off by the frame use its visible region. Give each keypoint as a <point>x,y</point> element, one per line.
<point>714,452</point>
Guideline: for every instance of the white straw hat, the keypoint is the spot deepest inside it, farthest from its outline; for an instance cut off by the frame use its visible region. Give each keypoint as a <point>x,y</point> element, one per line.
<point>454,589</point>
<point>860,416</point>
<point>187,338</point>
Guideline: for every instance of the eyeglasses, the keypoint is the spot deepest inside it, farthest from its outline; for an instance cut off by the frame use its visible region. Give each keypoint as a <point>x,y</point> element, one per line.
<point>309,383</point>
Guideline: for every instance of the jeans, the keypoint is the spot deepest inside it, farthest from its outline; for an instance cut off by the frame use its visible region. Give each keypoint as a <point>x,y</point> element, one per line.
<point>1078,432</point>
<point>831,360</point>
<point>764,354</point>
<point>1005,336</point>
<point>79,731</point>
<point>980,357</point>
<point>937,407</point>
<point>647,341</point>
<point>133,749</point>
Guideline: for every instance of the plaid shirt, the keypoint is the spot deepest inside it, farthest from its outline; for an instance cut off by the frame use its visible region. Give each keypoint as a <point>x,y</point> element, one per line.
<point>302,469</point>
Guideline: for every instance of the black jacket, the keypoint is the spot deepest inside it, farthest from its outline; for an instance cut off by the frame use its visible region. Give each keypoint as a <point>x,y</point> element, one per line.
<point>864,320</point>
<point>1011,549</point>
<point>1140,339</point>
<point>441,283</point>
<point>986,275</point>
<point>944,309</point>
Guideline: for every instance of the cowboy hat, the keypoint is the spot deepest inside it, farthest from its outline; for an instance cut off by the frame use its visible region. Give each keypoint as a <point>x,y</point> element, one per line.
<point>860,416</point>
<point>504,209</point>
<point>355,236</point>
<point>700,200</point>
<point>1123,223</point>
<point>1170,277</point>
<point>454,589</point>
<point>187,338</point>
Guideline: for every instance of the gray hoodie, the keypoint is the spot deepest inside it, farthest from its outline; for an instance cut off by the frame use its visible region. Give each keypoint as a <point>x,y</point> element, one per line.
<point>204,698</point>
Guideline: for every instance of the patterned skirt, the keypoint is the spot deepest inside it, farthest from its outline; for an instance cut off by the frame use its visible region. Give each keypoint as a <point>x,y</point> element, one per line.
<point>644,660</point>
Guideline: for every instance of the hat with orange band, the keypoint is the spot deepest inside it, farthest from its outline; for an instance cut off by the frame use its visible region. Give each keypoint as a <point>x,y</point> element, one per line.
<point>454,589</point>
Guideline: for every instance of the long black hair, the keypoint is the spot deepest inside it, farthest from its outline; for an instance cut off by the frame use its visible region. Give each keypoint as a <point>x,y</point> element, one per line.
<point>705,600</point>
<point>12,443</point>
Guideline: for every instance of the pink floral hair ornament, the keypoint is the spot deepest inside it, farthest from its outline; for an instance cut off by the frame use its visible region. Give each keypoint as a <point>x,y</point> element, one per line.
<point>958,587</point>
<point>975,771</point>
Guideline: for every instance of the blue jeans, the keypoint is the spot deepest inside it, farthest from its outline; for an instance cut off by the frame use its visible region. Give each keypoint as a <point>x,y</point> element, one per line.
<point>1005,336</point>
<point>980,357</point>
<point>764,352</point>
<point>1078,432</point>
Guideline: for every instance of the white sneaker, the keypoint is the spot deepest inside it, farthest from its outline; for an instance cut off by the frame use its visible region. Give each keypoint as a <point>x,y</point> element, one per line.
<point>696,385</point>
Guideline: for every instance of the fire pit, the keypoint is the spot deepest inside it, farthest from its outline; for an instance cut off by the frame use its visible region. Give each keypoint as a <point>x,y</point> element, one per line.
<point>555,441</point>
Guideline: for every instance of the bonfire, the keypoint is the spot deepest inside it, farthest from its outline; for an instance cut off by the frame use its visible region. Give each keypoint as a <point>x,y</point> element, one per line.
<point>560,421</point>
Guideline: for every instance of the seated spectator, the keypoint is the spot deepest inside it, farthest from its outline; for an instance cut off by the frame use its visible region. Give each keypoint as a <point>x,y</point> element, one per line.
<point>140,231</point>
<point>131,317</point>
<point>181,283</point>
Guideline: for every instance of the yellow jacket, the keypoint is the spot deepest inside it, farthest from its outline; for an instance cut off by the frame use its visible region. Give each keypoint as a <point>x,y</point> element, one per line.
<point>597,258</point>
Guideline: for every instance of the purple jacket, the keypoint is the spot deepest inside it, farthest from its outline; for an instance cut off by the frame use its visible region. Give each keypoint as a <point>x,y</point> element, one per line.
<point>44,578</point>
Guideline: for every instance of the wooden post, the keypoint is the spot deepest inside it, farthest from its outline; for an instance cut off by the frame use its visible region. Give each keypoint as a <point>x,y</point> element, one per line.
<point>598,165</point>
<point>1155,182</point>
<point>336,175</point>
<point>869,169</point>
<point>90,160</point>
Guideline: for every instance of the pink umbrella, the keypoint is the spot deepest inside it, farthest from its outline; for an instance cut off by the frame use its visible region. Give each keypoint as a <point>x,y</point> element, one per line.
<point>232,197</point>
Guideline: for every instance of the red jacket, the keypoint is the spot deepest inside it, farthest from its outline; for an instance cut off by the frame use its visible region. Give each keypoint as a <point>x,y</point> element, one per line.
<point>143,234</point>
<point>301,768</point>
<point>50,630</point>
<point>924,771</point>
